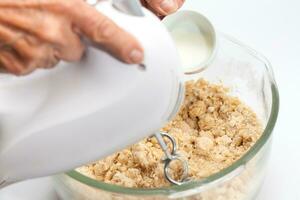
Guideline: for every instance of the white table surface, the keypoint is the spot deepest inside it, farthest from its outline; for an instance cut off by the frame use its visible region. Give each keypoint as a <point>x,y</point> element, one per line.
<point>273,28</point>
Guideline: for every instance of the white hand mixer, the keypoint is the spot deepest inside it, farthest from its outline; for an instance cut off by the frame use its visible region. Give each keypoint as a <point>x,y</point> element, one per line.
<point>56,120</point>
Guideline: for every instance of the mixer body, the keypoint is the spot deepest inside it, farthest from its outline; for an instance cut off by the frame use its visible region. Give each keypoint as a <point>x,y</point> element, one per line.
<point>56,120</point>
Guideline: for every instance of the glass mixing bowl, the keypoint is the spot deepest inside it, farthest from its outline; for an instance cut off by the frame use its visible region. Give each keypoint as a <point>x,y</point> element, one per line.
<point>250,78</point>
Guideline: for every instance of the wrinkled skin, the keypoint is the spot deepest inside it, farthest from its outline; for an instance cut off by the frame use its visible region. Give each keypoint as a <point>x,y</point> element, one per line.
<point>40,33</point>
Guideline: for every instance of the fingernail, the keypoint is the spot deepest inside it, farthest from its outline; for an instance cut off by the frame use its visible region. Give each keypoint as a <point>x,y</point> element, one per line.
<point>168,6</point>
<point>136,56</point>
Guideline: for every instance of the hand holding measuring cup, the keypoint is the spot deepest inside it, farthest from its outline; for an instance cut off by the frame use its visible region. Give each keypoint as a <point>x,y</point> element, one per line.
<point>40,33</point>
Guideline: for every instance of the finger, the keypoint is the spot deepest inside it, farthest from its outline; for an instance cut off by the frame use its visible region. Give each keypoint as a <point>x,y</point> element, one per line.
<point>103,31</point>
<point>146,5</point>
<point>7,37</point>
<point>164,7</point>
<point>70,48</point>
<point>25,20</point>
<point>8,58</point>
<point>67,43</point>
<point>47,27</point>
<point>36,56</point>
<point>180,3</point>
<point>28,48</point>
<point>12,64</point>
<point>31,50</point>
<point>23,45</point>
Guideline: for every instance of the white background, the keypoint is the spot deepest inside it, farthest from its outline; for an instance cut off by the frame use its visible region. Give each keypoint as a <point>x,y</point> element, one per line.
<point>273,28</point>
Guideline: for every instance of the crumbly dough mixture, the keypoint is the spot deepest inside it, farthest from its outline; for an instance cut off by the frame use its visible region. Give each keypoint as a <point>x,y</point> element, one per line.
<point>212,129</point>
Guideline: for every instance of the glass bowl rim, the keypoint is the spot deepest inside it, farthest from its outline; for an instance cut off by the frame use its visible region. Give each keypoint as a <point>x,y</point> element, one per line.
<point>214,177</point>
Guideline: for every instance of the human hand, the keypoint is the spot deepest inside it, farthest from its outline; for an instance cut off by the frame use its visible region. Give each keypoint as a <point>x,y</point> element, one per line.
<point>163,7</point>
<point>40,33</point>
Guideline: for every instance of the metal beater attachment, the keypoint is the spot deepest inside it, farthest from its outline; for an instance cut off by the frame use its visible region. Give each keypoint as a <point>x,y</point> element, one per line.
<point>171,157</point>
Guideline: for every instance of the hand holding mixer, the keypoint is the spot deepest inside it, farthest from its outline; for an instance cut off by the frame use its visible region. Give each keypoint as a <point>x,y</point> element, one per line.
<point>56,120</point>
